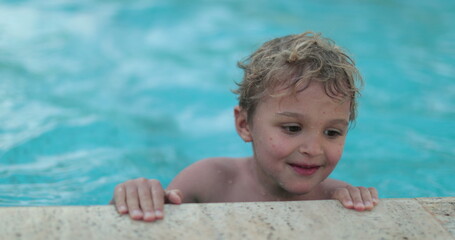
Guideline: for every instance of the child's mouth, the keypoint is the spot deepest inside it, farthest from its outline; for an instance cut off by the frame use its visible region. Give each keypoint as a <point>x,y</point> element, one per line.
<point>305,170</point>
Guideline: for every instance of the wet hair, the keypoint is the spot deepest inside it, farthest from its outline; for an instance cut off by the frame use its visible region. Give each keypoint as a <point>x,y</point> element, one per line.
<point>291,63</point>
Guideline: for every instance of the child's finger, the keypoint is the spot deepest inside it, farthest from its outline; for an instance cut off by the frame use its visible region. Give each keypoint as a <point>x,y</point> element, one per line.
<point>158,198</point>
<point>174,196</point>
<point>366,196</point>
<point>145,200</point>
<point>132,201</point>
<point>119,199</point>
<point>374,195</point>
<point>342,195</point>
<point>356,198</point>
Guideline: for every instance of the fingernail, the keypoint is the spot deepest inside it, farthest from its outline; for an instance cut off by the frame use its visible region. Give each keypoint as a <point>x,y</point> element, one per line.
<point>368,204</point>
<point>122,209</point>
<point>158,214</point>
<point>359,206</point>
<point>349,203</point>
<point>136,213</point>
<point>148,215</point>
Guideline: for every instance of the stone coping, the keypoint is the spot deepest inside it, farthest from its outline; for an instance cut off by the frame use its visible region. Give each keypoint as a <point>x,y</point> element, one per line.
<point>419,218</point>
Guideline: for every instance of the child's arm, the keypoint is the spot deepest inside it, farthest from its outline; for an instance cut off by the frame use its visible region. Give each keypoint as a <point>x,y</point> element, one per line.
<point>357,198</point>
<point>144,199</point>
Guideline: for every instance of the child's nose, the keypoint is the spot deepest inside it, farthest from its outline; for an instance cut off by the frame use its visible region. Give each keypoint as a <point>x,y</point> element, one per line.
<point>311,145</point>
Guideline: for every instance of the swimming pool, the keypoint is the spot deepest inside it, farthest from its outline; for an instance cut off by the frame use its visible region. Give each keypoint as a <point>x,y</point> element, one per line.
<point>93,93</point>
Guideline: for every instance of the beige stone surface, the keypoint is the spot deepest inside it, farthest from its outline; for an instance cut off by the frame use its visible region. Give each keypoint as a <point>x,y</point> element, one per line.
<point>391,219</point>
<point>443,209</point>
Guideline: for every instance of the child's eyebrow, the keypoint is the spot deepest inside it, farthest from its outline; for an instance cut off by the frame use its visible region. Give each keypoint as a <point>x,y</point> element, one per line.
<point>341,121</point>
<point>290,114</point>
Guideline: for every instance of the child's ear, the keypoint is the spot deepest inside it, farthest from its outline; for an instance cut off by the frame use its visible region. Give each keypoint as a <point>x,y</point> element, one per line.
<point>241,124</point>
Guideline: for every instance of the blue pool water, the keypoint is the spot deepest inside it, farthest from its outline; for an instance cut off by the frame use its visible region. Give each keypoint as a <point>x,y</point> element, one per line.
<point>93,93</point>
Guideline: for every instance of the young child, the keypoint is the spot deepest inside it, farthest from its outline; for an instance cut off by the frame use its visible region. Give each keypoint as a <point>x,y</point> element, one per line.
<point>296,101</point>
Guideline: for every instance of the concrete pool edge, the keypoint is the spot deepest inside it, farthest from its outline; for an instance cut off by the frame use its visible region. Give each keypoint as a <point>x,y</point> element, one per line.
<point>413,218</point>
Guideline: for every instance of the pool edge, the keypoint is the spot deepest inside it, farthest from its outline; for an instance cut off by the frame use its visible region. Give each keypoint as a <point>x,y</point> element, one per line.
<point>413,218</point>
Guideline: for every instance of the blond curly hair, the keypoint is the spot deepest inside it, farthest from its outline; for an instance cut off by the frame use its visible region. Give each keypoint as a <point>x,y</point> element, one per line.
<point>290,63</point>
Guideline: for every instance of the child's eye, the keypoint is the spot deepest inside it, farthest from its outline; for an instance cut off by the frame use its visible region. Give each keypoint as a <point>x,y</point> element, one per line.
<point>292,128</point>
<point>333,133</point>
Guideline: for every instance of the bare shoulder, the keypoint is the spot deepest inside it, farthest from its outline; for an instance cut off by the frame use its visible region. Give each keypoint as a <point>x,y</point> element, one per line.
<point>202,179</point>
<point>214,167</point>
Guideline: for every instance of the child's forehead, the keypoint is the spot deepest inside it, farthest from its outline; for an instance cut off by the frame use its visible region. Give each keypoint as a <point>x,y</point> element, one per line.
<point>305,105</point>
<point>313,94</point>
<point>310,87</point>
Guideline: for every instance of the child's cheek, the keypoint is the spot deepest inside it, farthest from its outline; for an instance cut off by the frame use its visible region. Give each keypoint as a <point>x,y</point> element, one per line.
<point>336,153</point>
<point>277,147</point>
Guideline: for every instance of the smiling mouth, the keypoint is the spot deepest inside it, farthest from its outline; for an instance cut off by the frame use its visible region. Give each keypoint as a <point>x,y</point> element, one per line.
<point>305,170</point>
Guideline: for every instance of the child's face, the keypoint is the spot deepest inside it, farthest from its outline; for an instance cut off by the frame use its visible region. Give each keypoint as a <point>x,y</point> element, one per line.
<point>299,140</point>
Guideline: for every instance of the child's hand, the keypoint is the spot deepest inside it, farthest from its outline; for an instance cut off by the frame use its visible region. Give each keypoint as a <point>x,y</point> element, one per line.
<point>144,199</point>
<point>357,198</point>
